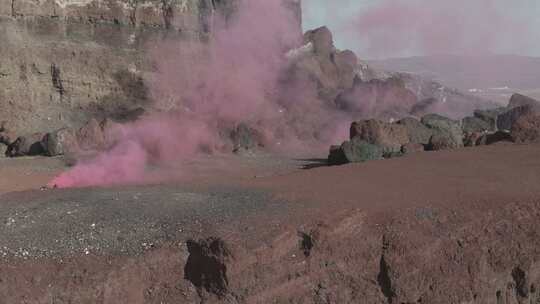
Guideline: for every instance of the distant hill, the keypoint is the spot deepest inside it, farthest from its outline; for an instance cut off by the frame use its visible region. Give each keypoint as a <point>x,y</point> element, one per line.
<point>490,74</point>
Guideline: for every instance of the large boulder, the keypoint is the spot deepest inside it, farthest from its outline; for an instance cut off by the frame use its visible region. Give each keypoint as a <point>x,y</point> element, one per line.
<point>319,66</point>
<point>518,100</point>
<point>508,118</point>
<point>322,41</point>
<point>390,137</point>
<point>442,141</point>
<point>60,142</point>
<point>353,151</point>
<point>490,116</point>
<point>526,129</point>
<point>447,133</point>
<point>382,98</point>
<point>475,124</point>
<point>417,132</point>
<point>30,145</point>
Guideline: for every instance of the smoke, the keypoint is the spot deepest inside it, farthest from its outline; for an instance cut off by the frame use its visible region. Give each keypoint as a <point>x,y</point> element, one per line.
<point>201,90</point>
<point>397,28</point>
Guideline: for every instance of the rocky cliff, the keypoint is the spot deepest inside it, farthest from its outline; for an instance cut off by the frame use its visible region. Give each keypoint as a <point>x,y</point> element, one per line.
<point>62,61</point>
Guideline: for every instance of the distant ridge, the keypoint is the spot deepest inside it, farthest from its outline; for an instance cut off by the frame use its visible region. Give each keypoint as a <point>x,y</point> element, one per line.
<point>511,72</point>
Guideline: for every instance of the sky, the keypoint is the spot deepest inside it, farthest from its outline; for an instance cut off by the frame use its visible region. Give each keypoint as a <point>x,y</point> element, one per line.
<point>378,29</point>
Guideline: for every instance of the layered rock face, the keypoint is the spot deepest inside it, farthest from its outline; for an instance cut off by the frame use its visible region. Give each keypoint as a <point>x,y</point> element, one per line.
<point>64,61</point>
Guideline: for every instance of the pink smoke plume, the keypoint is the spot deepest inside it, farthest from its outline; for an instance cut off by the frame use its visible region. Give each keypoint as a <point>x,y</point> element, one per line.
<point>396,28</point>
<point>203,87</point>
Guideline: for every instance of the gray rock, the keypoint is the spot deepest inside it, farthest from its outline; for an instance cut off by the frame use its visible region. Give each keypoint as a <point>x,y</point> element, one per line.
<point>418,133</point>
<point>474,124</point>
<point>30,145</point>
<point>490,116</point>
<point>447,133</point>
<point>443,141</point>
<point>60,142</point>
<point>353,151</point>
<point>3,150</point>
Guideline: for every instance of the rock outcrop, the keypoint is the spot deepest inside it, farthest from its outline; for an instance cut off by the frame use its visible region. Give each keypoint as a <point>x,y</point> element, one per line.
<point>518,100</point>
<point>381,98</point>
<point>447,133</point>
<point>511,115</point>
<point>60,142</point>
<point>30,145</point>
<point>354,151</point>
<point>475,124</point>
<point>489,116</point>
<point>526,129</point>
<point>390,137</point>
<point>418,133</point>
<point>65,61</point>
<point>318,65</point>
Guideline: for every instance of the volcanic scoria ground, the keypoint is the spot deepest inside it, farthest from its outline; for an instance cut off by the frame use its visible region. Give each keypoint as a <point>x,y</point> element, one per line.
<point>436,227</point>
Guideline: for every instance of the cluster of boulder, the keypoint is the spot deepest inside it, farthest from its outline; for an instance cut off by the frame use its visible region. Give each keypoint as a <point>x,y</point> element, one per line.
<point>345,83</point>
<point>372,139</point>
<point>66,141</point>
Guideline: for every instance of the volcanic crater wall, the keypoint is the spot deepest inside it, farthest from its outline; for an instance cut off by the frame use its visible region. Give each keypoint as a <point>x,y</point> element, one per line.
<point>62,61</point>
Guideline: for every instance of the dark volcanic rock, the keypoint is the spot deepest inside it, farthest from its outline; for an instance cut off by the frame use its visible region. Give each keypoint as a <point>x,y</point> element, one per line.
<point>490,116</point>
<point>447,133</point>
<point>353,151</point>
<point>508,118</point>
<point>337,156</point>
<point>30,145</point>
<point>418,133</point>
<point>526,129</point>
<point>60,142</point>
<point>206,266</point>
<point>518,100</point>
<point>390,137</point>
<point>475,124</point>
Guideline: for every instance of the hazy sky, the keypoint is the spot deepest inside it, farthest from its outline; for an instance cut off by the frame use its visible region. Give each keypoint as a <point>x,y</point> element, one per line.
<point>397,28</point>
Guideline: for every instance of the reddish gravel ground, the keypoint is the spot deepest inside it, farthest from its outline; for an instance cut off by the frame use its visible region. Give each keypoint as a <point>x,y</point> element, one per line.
<point>444,227</point>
